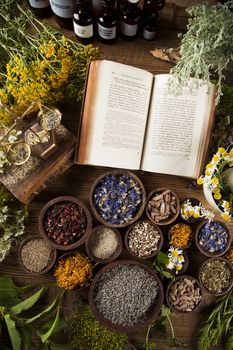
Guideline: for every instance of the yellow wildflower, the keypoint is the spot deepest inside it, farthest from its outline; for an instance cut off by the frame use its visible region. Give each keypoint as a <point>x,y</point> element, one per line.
<point>200,181</point>
<point>215,181</point>
<point>217,196</point>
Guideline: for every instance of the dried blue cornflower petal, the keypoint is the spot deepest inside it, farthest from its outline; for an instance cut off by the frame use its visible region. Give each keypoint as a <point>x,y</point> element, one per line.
<point>213,237</point>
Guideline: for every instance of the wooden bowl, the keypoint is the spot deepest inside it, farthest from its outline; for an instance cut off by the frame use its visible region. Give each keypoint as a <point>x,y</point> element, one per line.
<point>172,217</point>
<point>160,243</point>
<point>190,240</point>
<point>61,199</point>
<point>184,268</point>
<point>229,265</point>
<point>112,256</point>
<point>178,278</point>
<point>51,262</point>
<point>119,173</point>
<point>194,202</point>
<point>205,252</point>
<point>151,315</point>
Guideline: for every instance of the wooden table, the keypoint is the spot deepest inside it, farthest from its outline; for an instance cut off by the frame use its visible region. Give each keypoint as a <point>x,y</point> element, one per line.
<point>78,179</point>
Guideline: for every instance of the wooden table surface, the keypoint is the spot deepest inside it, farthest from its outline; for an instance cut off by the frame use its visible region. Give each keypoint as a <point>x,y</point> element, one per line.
<point>78,179</point>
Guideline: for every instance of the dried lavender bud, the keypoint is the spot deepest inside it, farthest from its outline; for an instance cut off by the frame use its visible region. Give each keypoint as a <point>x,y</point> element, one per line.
<point>125,294</point>
<point>215,276</point>
<point>143,239</point>
<point>117,198</point>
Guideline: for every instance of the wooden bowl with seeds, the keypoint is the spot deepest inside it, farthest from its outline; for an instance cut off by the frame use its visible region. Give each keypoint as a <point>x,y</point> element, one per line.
<point>65,222</point>
<point>104,244</point>
<point>162,206</point>
<point>36,256</point>
<point>143,239</point>
<point>117,198</point>
<point>184,294</point>
<point>216,276</point>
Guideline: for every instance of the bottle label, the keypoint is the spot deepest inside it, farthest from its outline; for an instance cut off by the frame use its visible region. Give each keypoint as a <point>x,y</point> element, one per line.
<point>148,35</point>
<point>128,29</point>
<point>63,8</point>
<point>106,33</point>
<point>39,4</point>
<point>83,31</point>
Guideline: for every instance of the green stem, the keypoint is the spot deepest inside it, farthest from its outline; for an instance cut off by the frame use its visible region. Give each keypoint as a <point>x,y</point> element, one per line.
<point>171,327</point>
<point>148,333</point>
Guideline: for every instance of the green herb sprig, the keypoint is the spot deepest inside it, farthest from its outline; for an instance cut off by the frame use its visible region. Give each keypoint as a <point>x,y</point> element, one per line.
<point>159,264</point>
<point>218,325</point>
<point>206,47</point>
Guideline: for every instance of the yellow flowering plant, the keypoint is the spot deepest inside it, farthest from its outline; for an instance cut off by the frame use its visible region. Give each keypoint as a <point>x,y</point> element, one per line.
<point>215,179</point>
<point>38,64</point>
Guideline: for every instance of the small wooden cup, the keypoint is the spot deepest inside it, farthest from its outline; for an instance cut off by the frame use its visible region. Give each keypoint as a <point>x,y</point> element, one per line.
<point>190,240</point>
<point>205,252</point>
<point>112,256</point>
<point>229,265</point>
<point>194,202</point>
<point>140,210</point>
<point>173,308</point>
<point>184,268</point>
<point>50,263</point>
<point>172,217</point>
<point>160,243</point>
<point>65,199</point>
<point>154,311</point>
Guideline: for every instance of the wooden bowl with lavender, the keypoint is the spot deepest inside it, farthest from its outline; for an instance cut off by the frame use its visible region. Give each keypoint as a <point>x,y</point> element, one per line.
<point>216,276</point>
<point>162,206</point>
<point>117,198</point>
<point>143,239</point>
<point>65,222</point>
<point>36,256</point>
<point>126,295</point>
<point>184,294</point>
<point>213,238</point>
<point>104,244</point>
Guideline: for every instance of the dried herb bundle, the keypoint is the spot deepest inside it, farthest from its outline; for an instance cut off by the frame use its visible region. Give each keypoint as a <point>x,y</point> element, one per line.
<point>206,47</point>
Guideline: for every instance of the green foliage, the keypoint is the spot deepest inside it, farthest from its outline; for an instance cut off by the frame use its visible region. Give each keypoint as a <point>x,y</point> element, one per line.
<point>20,329</point>
<point>159,264</point>
<point>206,47</point>
<point>218,325</point>
<point>12,221</point>
<point>86,333</point>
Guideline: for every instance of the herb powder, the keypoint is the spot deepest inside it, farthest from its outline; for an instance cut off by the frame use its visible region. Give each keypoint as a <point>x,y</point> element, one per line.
<point>125,294</point>
<point>36,255</point>
<point>103,242</point>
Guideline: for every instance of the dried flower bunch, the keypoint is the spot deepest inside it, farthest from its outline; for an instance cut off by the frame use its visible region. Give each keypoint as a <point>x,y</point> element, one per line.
<point>38,65</point>
<point>215,179</point>
<point>176,259</point>
<point>206,47</point>
<point>188,210</point>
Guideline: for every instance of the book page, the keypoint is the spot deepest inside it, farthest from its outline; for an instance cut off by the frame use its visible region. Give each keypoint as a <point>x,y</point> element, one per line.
<point>177,129</point>
<point>114,121</point>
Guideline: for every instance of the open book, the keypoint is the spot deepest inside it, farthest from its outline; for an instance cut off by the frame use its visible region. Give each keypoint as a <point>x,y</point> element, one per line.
<point>129,120</point>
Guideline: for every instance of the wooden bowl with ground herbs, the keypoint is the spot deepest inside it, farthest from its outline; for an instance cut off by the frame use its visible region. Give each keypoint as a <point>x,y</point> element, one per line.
<point>65,222</point>
<point>162,206</point>
<point>143,239</point>
<point>126,295</point>
<point>36,256</point>
<point>117,198</point>
<point>216,276</point>
<point>104,244</point>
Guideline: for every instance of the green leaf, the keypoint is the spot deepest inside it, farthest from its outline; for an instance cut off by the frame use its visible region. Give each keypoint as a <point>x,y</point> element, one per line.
<point>54,346</point>
<point>26,332</point>
<point>13,332</point>
<point>45,336</point>
<point>162,258</point>
<point>29,302</point>
<point>59,327</point>
<point>165,311</point>
<point>229,342</point>
<point>46,311</point>
<point>9,290</point>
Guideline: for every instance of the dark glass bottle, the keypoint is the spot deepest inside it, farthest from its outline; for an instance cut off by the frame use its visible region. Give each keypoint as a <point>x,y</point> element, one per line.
<point>129,19</point>
<point>63,10</point>
<point>83,21</point>
<point>107,22</point>
<point>150,18</point>
<point>41,8</point>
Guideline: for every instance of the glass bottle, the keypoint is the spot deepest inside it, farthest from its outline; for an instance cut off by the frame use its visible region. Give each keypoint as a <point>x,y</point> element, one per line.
<point>129,19</point>
<point>83,21</point>
<point>41,8</point>
<point>63,10</point>
<point>150,18</point>
<point>107,22</point>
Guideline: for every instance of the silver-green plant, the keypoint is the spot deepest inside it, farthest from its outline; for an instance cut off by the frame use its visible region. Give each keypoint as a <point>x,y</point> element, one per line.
<point>206,48</point>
